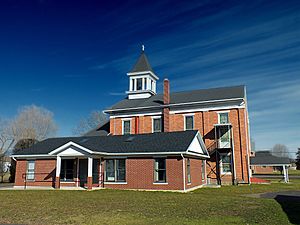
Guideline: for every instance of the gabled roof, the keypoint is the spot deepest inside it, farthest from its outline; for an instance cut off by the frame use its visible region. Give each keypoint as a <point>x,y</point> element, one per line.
<point>266,158</point>
<point>142,64</point>
<point>204,95</point>
<point>121,144</point>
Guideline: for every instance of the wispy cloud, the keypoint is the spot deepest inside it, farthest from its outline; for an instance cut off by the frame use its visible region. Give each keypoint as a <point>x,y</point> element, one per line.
<point>262,52</point>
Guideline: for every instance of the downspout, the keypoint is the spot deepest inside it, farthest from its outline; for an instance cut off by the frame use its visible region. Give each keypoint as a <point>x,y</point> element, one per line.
<point>248,132</point>
<point>248,141</point>
<point>233,155</point>
<point>183,171</point>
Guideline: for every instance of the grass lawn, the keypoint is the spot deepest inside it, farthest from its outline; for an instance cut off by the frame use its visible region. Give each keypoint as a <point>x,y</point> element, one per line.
<point>291,172</point>
<point>226,205</point>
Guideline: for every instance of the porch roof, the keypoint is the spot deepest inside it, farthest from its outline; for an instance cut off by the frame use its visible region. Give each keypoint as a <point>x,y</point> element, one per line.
<point>168,142</point>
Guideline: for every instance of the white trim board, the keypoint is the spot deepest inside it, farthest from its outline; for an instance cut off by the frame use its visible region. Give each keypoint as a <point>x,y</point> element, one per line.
<point>176,104</point>
<point>69,144</point>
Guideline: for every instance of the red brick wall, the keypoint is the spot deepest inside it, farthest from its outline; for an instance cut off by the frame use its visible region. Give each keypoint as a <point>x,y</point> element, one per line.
<point>262,169</point>
<point>204,122</point>
<point>196,173</point>
<point>140,175</point>
<point>44,166</point>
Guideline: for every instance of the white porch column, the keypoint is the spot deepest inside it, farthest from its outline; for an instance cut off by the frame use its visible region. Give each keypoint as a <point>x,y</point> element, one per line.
<point>90,173</point>
<point>90,166</point>
<point>130,85</point>
<point>57,176</point>
<point>58,166</point>
<point>285,174</point>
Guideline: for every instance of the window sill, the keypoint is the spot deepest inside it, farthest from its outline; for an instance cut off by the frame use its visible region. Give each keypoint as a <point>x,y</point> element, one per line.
<point>107,182</point>
<point>164,183</point>
<point>228,173</point>
<point>67,181</point>
<point>189,183</point>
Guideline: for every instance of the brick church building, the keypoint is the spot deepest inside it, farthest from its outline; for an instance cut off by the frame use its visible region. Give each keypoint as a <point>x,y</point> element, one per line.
<point>169,141</point>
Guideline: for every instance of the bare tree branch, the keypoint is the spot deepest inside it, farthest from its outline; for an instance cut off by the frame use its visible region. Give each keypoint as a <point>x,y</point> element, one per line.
<point>94,119</point>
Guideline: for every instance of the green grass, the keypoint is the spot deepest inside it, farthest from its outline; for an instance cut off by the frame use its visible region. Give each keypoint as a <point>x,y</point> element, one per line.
<point>226,205</point>
<point>291,172</point>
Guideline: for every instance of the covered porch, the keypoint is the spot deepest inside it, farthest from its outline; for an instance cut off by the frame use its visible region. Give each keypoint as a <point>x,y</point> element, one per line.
<point>76,166</point>
<point>78,172</point>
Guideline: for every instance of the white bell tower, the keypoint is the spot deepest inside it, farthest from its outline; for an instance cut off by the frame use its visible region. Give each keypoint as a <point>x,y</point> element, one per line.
<point>142,79</point>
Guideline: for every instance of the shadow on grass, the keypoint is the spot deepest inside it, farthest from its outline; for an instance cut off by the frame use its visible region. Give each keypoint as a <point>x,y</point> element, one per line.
<point>291,206</point>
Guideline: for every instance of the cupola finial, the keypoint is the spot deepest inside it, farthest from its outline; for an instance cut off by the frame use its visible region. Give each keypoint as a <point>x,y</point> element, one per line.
<point>143,48</point>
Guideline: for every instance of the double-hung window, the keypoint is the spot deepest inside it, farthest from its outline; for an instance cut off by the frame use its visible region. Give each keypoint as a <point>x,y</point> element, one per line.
<point>160,170</point>
<point>30,170</point>
<point>156,124</point>
<point>188,168</point>
<point>225,163</point>
<point>126,126</point>
<point>115,170</point>
<point>189,122</point>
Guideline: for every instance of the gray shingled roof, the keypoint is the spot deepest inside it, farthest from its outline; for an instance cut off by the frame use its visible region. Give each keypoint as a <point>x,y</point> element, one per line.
<point>142,64</point>
<point>183,97</point>
<point>266,158</point>
<point>139,143</point>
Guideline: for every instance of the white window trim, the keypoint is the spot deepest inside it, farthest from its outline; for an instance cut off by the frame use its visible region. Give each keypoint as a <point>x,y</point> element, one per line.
<point>156,117</point>
<point>123,120</point>
<point>160,183</point>
<point>184,120</point>
<point>221,163</point>
<point>117,182</point>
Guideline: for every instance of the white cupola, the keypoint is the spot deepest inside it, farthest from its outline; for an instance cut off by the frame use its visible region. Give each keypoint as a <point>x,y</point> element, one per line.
<point>142,79</point>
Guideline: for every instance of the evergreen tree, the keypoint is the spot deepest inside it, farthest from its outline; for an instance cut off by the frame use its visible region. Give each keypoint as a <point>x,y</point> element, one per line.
<point>298,159</point>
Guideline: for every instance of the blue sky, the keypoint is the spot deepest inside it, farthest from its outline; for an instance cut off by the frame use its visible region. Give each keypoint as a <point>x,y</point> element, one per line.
<point>71,57</point>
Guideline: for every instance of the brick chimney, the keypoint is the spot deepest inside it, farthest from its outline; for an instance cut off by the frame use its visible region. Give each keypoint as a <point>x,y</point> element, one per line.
<point>166,102</point>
